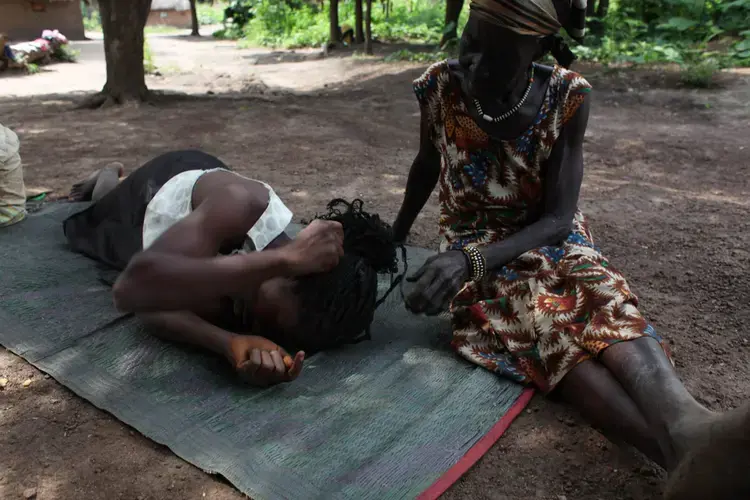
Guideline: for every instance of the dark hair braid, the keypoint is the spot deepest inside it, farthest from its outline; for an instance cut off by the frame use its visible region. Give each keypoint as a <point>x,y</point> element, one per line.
<point>339,306</point>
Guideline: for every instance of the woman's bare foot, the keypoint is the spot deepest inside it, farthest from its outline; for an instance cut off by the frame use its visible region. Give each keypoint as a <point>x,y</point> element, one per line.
<point>84,190</point>
<point>718,465</point>
<point>108,179</point>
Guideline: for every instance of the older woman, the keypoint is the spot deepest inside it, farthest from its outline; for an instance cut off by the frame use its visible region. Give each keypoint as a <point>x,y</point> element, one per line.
<point>530,295</point>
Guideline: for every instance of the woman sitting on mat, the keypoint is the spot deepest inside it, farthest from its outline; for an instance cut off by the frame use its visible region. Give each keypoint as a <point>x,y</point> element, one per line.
<point>204,255</point>
<point>530,295</point>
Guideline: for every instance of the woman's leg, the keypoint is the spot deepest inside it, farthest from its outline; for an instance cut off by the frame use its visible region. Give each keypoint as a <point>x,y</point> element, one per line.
<point>671,412</point>
<point>109,230</point>
<point>108,179</point>
<point>99,183</point>
<point>592,390</point>
<point>718,469</point>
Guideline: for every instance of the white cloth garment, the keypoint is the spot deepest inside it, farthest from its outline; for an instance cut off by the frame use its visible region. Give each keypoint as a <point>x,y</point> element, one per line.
<point>12,189</point>
<point>174,201</point>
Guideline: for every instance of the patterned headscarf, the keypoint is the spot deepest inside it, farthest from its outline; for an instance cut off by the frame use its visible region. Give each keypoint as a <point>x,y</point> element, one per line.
<point>532,17</point>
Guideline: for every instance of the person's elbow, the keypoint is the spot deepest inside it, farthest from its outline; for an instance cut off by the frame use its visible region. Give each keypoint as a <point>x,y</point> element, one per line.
<point>427,162</point>
<point>130,291</point>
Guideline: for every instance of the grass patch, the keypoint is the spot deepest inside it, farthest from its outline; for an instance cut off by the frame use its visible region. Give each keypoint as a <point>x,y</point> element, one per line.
<point>160,29</point>
<point>700,75</point>
<point>148,59</point>
<point>66,54</point>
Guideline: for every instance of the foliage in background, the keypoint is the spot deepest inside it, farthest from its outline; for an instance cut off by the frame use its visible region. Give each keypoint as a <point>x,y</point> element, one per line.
<point>701,75</point>
<point>91,19</point>
<point>700,33</point>
<point>207,15</point>
<point>148,59</point>
<point>291,23</point>
<point>64,53</point>
<point>695,34</point>
<point>286,24</point>
<point>210,14</point>
<point>701,36</point>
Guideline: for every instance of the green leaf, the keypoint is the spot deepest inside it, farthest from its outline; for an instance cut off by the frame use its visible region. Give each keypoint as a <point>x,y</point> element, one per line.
<point>743,45</point>
<point>723,7</point>
<point>679,24</point>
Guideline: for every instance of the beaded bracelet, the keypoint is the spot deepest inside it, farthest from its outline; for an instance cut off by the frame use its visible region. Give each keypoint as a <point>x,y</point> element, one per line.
<point>477,262</point>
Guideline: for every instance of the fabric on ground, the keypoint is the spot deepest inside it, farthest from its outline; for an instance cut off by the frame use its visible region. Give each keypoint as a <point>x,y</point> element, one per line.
<point>381,419</point>
<point>12,191</point>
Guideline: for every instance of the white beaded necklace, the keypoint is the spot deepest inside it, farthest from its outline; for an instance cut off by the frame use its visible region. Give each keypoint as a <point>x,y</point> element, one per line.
<point>512,110</point>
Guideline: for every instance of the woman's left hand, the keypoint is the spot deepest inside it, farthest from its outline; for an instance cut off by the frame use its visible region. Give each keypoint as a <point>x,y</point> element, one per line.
<point>437,282</point>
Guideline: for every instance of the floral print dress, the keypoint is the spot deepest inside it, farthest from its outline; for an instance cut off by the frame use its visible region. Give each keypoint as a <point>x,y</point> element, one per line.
<point>553,307</point>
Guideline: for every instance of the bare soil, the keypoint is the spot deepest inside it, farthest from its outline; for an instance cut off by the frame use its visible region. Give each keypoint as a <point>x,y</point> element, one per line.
<point>667,189</point>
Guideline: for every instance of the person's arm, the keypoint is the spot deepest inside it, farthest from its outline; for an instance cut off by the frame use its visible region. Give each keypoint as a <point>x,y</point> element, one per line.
<point>258,360</point>
<point>423,176</point>
<point>562,186</point>
<point>442,276</point>
<point>189,328</point>
<point>181,271</point>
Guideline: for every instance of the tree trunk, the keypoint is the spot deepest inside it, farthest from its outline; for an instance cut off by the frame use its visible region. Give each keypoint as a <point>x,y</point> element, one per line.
<point>368,28</point>
<point>333,17</point>
<point>452,12</point>
<point>194,18</point>
<point>359,35</point>
<point>122,24</point>
<point>602,9</point>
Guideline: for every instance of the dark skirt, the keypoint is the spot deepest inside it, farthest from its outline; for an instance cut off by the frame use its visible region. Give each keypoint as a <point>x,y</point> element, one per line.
<point>111,230</point>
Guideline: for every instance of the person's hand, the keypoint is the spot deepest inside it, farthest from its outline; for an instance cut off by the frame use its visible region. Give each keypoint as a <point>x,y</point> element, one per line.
<point>261,362</point>
<point>317,248</point>
<point>400,231</point>
<point>437,282</point>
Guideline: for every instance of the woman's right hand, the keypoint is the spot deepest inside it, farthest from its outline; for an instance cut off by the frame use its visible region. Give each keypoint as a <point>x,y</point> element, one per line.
<point>316,249</point>
<point>263,363</point>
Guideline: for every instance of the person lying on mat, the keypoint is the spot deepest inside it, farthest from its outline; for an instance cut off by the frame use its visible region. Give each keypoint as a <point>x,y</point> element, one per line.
<point>530,295</point>
<point>206,261</point>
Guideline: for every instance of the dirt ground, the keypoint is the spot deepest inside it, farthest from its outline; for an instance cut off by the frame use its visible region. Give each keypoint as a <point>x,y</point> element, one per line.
<point>667,189</point>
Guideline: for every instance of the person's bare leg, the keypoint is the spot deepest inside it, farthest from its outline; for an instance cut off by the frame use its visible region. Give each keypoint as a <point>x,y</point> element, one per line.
<point>84,189</point>
<point>699,446</point>
<point>719,468</point>
<point>592,390</point>
<point>108,179</point>
<point>673,414</point>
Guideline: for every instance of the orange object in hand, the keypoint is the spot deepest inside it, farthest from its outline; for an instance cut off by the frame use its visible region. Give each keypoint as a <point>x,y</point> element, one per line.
<point>288,361</point>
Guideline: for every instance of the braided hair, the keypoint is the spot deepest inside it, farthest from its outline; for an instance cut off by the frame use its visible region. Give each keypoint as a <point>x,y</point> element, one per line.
<point>338,306</point>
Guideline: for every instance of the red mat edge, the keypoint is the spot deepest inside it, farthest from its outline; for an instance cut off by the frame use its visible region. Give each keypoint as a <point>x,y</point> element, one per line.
<point>478,450</point>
